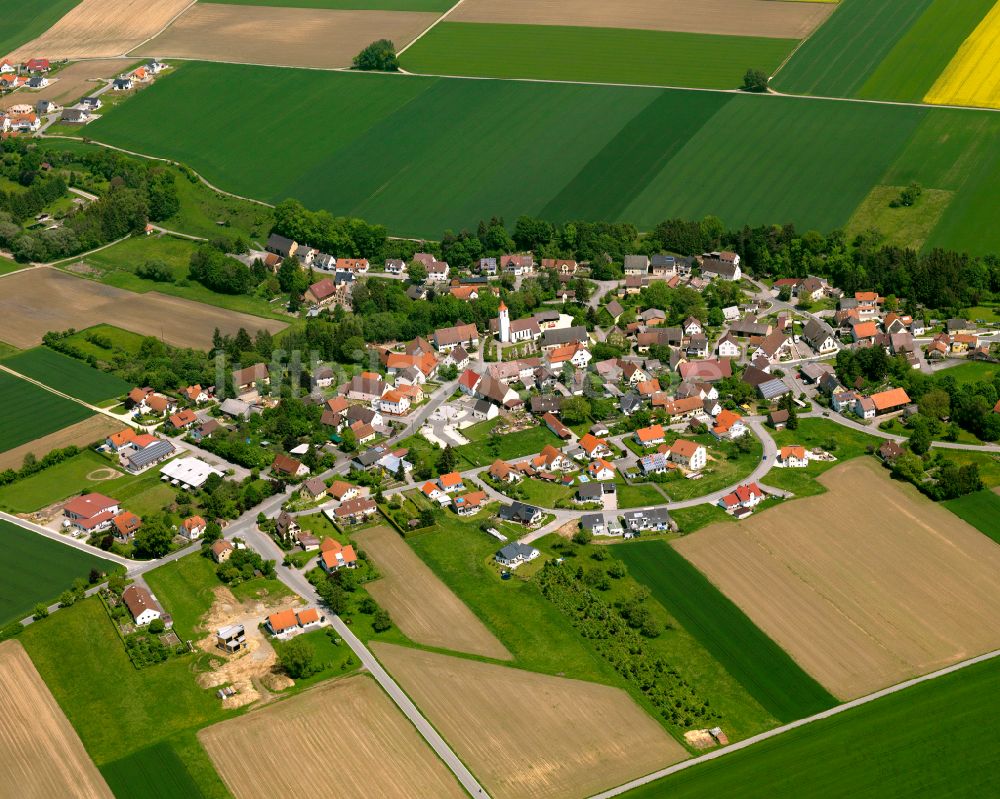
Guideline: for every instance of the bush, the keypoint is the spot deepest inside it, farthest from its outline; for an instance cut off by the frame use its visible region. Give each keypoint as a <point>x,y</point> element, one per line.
<point>298,658</point>
<point>381,621</point>
<point>379,56</point>
<point>41,611</point>
<point>155,270</point>
<point>755,80</point>
<point>157,626</point>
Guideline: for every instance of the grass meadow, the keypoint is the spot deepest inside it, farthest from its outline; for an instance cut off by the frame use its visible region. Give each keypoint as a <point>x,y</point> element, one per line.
<point>766,671</point>
<point>634,154</point>
<point>893,748</point>
<point>67,375</point>
<point>36,569</point>
<point>186,587</point>
<point>156,772</point>
<point>597,55</point>
<point>28,412</point>
<point>24,21</point>
<point>981,510</point>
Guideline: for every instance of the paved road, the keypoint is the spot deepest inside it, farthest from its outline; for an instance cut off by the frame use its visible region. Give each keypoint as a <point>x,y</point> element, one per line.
<point>777,731</point>
<point>69,541</point>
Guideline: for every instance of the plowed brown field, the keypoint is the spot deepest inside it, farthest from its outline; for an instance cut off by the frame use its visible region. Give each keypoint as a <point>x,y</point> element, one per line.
<point>425,609</point>
<point>82,433</point>
<point>41,755</point>
<point>865,586</point>
<point>343,739</point>
<point>293,37</point>
<point>100,28</point>
<point>35,301</point>
<point>528,735</point>
<point>769,18</point>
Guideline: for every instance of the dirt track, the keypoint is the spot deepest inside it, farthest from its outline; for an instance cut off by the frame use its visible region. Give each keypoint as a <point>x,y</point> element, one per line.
<point>41,755</point>
<point>82,433</point>
<point>344,738</point>
<point>768,18</point>
<point>101,28</point>
<point>297,37</point>
<point>35,301</point>
<point>425,609</point>
<point>865,586</point>
<point>528,735</point>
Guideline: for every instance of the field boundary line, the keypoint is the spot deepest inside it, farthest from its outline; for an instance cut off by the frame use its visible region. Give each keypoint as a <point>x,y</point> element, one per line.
<point>797,47</point>
<point>87,405</point>
<point>172,20</point>
<point>429,28</point>
<point>834,711</point>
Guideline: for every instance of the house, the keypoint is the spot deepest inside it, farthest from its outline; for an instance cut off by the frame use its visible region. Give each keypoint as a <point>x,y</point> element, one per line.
<point>657,519</point>
<point>513,555</point>
<point>629,403</point>
<point>813,372</point>
<point>90,512</point>
<point>679,410</point>
<point>246,380</point>
<point>517,264</point>
<point>692,327</point>
<point>437,272</point>
<point>141,605</point>
<point>589,492</point>
<point>122,84</point>
<point>434,493</point>
<point>792,456</point>
<point>342,491</point>
<point>356,510</point>
<point>576,354</point>
<point>487,266</point>
<point>520,513</point>
<point>689,454</point>
<point>448,338</point>
<point>192,528</point>
<point>125,525</point>
<point>552,460</point>
<point>221,550</point>
<point>888,401</point>
<point>235,409</point>
<point>594,447</point>
<point>395,266</point>
<point>282,623</point>
<point>121,441</point>
<point>599,469</point>
<point>231,638</point>
<point>745,496</point>
<point>367,387</point>
<point>321,292</point>
<point>650,436</point>
<point>707,371</point>
<point>286,465</point>
<point>182,420</point>
<point>772,347</point>
<point>648,388</point>
<point>451,483</point>
<point>502,472</point>
<point>778,419</point>
<point>820,337</point>
<point>395,402</point>
<point>723,265</point>
<point>557,427</point>
<point>811,288</point>
<point>864,333</point>
<point>729,425</point>
<point>314,488</point>
<point>561,336</point>
<point>727,347</point>
<point>468,504</point>
<point>890,450</point>
<point>76,116</point>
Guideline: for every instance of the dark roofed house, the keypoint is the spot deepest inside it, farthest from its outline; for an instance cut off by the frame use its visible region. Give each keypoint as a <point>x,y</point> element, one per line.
<point>561,336</point>
<point>889,451</point>
<point>520,513</point>
<point>280,245</point>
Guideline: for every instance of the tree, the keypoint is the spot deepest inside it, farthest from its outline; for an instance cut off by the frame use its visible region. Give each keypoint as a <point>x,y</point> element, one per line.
<point>574,410</point>
<point>66,598</point>
<point>920,441</point>
<point>935,404</point>
<point>583,536</point>
<point>381,621</point>
<point>297,658</point>
<point>417,271</point>
<point>153,538</point>
<point>755,80</point>
<point>379,56</point>
<point>40,612</point>
<point>446,462</point>
<point>157,626</point>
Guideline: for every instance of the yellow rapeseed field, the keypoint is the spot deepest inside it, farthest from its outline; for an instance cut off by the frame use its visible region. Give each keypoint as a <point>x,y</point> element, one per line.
<point>973,76</point>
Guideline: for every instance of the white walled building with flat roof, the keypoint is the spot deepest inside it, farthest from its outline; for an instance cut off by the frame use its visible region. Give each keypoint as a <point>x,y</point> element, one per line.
<point>188,472</point>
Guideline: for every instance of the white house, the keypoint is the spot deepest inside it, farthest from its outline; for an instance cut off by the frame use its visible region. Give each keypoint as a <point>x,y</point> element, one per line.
<point>794,457</point>
<point>513,555</point>
<point>728,348</point>
<point>141,604</point>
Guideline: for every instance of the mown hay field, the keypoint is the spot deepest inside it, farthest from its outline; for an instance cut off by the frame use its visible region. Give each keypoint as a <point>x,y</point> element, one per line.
<point>864,586</point>
<point>353,717</point>
<point>640,155</point>
<point>40,754</point>
<point>35,301</point>
<point>973,76</point>
<point>102,28</point>
<point>81,434</point>
<point>529,735</point>
<point>22,22</point>
<point>930,741</point>
<point>28,412</point>
<point>282,36</point>
<point>422,606</point>
<point>595,55</point>
<point>66,374</point>
<point>727,17</point>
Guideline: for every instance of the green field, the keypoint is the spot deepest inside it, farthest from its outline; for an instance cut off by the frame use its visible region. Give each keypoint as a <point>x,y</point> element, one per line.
<point>364,5</point>
<point>758,664</point>
<point>981,510</point>
<point>842,442</point>
<point>116,709</point>
<point>185,587</point>
<point>893,748</point>
<point>635,154</point>
<point>839,57</point>
<point>36,569</point>
<point>596,55</point>
<point>921,55</point>
<point>22,22</point>
<point>123,340</point>
<point>901,227</point>
<point>156,772</point>
<point>67,375</point>
<point>971,372</point>
<point>515,445</point>
<point>28,412</point>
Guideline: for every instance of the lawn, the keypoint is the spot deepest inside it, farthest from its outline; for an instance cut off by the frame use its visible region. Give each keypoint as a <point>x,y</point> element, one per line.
<point>839,58</point>
<point>639,495</point>
<point>757,663</point>
<point>335,659</point>
<point>121,340</point>
<point>901,227</point>
<point>512,445</point>
<point>892,748</point>
<point>185,588</point>
<point>988,463</point>
<point>719,473</point>
<point>116,709</point>
<point>7,349</point>
<point>25,21</point>
<point>596,55</point>
<point>28,412</point>
<point>981,510</point>
<point>36,569</point>
<point>971,372</point>
<point>698,516</point>
<point>910,69</point>
<point>842,442</point>
<point>71,477</point>
<point>67,375</point>
<point>545,494</point>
